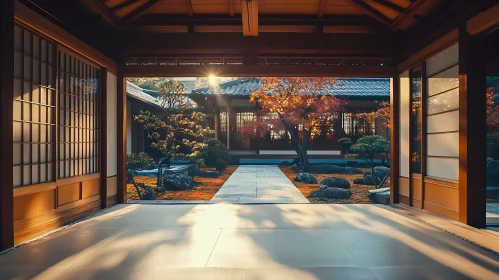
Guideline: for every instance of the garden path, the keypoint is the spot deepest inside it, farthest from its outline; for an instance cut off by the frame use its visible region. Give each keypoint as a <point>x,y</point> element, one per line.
<point>259,184</point>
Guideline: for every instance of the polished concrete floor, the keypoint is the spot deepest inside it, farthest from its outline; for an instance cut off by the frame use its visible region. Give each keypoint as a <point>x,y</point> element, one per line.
<point>228,241</point>
<point>259,184</point>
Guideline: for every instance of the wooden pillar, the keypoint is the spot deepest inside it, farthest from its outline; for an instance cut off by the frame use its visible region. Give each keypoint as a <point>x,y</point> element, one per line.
<point>229,113</point>
<point>394,138</point>
<point>6,125</point>
<point>103,137</point>
<point>122,122</point>
<point>216,123</point>
<point>472,130</point>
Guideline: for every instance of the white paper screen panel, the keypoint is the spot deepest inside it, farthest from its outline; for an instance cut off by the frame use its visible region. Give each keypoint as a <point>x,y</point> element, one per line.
<point>442,60</point>
<point>446,168</point>
<point>404,123</point>
<point>443,145</point>
<point>444,81</point>
<point>112,125</point>
<point>445,122</point>
<point>443,114</point>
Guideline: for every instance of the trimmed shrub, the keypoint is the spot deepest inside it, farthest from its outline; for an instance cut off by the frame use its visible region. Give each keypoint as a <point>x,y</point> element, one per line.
<point>140,161</point>
<point>215,154</point>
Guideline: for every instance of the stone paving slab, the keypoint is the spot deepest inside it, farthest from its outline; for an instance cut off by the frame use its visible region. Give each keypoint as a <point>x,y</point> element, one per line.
<point>259,184</point>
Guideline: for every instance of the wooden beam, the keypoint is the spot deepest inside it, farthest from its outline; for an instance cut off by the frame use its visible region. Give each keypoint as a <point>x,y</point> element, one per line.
<point>188,4</point>
<point>258,71</point>
<point>121,116</point>
<point>249,13</point>
<point>472,129</point>
<point>139,12</point>
<point>371,12</point>
<point>231,7</point>
<point>123,5</point>
<point>322,7</point>
<point>269,43</point>
<point>390,5</point>
<point>103,10</point>
<point>409,13</point>
<point>6,123</point>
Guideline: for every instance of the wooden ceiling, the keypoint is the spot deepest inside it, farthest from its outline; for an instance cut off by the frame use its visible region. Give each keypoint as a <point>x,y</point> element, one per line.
<point>253,16</point>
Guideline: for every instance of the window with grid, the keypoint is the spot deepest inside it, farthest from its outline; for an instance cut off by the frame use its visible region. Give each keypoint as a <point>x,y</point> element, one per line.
<point>78,93</point>
<point>33,109</point>
<point>347,123</point>
<point>242,120</point>
<point>223,127</point>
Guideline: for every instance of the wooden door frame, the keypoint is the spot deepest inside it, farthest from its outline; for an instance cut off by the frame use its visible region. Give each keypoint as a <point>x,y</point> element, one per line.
<point>6,123</point>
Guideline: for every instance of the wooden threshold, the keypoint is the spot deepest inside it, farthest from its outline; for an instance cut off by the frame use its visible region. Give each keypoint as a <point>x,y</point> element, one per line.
<point>484,238</point>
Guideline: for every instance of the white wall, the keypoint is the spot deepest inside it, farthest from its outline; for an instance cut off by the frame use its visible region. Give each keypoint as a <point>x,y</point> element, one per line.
<point>112,125</point>
<point>443,114</point>
<point>405,98</point>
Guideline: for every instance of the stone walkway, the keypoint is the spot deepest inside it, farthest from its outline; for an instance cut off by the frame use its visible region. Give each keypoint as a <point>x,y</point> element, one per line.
<point>259,184</point>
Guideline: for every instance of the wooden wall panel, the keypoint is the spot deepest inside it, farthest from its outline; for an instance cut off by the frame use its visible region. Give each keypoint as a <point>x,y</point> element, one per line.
<point>442,193</point>
<point>404,186</point>
<point>417,192</point>
<point>90,188</point>
<point>112,186</point>
<point>31,205</point>
<point>36,213</point>
<point>68,193</point>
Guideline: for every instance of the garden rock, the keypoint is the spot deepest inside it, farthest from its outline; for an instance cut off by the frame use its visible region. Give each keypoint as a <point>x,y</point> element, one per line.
<point>381,195</point>
<point>208,174</point>
<point>380,173</point>
<point>160,189</point>
<point>368,178</point>
<point>333,169</point>
<point>331,193</point>
<point>179,182</point>
<point>359,181</point>
<point>284,164</point>
<point>334,182</point>
<point>305,178</point>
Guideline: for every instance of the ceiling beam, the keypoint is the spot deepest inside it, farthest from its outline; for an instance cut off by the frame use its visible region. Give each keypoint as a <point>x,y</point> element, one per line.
<point>139,12</point>
<point>390,5</point>
<point>249,13</point>
<point>258,71</point>
<point>231,7</point>
<point>123,5</point>
<point>103,10</point>
<point>159,44</point>
<point>188,4</point>
<point>408,14</point>
<point>371,11</point>
<point>322,6</point>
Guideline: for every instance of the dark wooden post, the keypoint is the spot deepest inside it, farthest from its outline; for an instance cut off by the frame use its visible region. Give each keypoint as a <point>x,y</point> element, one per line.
<point>472,130</point>
<point>6,126</point>
<point>216,123</point>
<point>103,137</point>
<point>395,139</point>
<point>122,198</point>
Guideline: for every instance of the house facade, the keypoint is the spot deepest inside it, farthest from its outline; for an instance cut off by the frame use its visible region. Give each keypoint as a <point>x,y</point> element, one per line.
<point>228,110</point>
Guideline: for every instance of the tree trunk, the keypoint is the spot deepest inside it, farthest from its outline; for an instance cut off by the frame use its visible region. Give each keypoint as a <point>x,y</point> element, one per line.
<point>132,180</point>
<point>302,153</point>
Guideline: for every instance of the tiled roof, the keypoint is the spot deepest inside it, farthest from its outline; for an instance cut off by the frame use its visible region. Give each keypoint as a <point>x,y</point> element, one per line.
<point>146,95</point>
<point>345,87</point>
<point>140,94</point>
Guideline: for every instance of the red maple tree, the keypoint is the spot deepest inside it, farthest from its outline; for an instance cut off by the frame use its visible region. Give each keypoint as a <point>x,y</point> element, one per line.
<point>297,106</point>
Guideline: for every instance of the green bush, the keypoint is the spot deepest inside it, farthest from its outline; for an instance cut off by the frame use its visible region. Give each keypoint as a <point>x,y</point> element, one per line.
<point>140,161</point>
<point>215,154</point>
